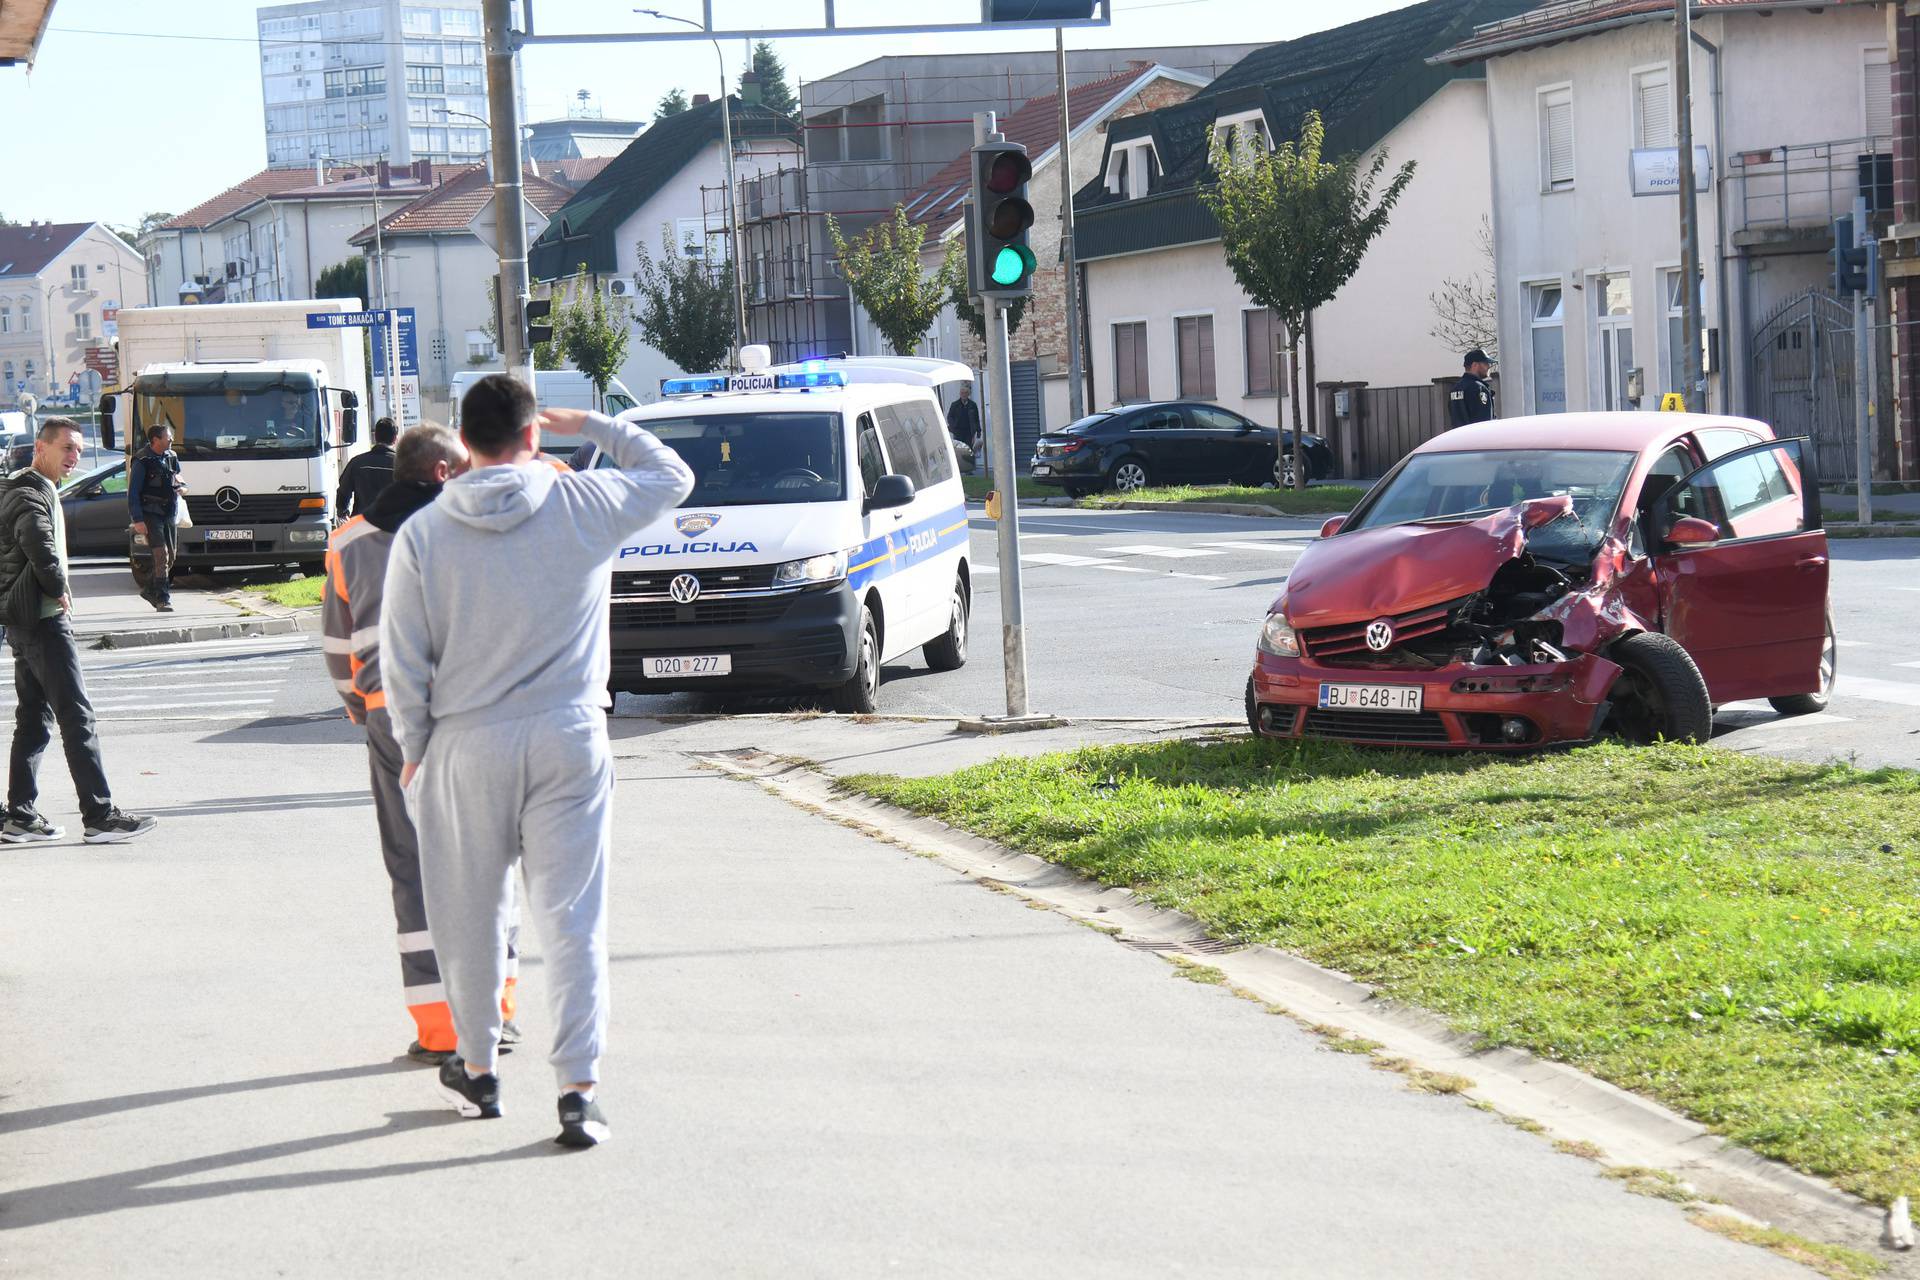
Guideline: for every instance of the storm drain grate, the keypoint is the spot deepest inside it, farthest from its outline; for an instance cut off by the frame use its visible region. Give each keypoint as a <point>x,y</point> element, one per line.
<point>1203,947</point>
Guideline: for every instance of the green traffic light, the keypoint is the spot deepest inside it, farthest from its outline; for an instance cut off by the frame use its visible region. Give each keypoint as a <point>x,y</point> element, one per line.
<point>1012,265</point>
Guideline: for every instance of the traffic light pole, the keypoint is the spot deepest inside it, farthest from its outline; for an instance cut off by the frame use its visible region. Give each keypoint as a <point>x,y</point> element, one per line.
<point>509,206</point>
<point>1862,378</point>
<point>1006,482</point>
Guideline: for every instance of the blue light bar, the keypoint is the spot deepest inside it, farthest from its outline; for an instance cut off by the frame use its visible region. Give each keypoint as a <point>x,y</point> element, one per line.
<point>692,386</point>
<point>830,378</point>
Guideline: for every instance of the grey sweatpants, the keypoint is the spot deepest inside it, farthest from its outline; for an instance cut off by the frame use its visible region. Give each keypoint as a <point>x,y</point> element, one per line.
<point>538,790</point>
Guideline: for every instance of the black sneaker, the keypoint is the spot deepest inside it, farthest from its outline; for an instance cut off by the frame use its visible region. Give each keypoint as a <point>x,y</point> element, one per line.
<point>582,1123</point>
<point>26,826</point>
<point>431,1057</point>
<point>475,1097</point>
<point>118,827</point>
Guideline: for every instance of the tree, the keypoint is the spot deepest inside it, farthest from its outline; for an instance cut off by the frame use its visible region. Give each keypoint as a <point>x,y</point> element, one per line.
<point>5,221</point>
<point>343,280</point>
<point>151,222</point>
<point>1465,311</point>
<point>976,319</point>
<point>883,270</point>
<point>1295,228</point>
<point>593,331</point>
<point>545,354</point>
<point>775,93</point>
<point>672,103</point>
<point>686,306</point>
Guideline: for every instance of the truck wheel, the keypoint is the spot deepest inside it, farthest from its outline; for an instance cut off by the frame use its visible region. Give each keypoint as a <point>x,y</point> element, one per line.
<point>860,695</point>
<point>1806,704</point>
<point>949,651</point>
<point>1660,693</point>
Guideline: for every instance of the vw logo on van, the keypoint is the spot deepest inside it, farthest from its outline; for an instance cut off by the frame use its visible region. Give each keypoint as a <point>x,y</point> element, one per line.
<point>685,588</point>
<point>1380,635</point>
<point>227,499</point>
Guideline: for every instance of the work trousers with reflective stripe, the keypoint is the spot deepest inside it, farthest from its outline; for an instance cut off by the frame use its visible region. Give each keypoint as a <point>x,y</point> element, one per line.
<point>400,846</point>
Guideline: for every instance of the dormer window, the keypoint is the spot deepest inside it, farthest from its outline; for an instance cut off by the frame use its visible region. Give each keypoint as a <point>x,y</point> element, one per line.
<point>1130,168</point>
<point>1244,133</point>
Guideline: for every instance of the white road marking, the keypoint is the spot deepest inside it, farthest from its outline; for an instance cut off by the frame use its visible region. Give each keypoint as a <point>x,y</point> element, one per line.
<point>1796,722</point>
<point>1898,692</point>
<point>1255,546</point>
<point>1197,577</point>
<point>1865,644</point>
<point>1162,553</point>
<point>242,672</point>
<point>1907,664</point>
<point>1123,568</point>
<point>1052,557</point>
<point>984,568</point>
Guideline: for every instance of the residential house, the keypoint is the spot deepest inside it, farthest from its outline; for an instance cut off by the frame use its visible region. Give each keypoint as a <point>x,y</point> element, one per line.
<point>1167,317</point>
<point>61,284</point>
<point>440,257</point>
<point>1792,119</point>
<point>1037,348</point>
<point>660,188</point>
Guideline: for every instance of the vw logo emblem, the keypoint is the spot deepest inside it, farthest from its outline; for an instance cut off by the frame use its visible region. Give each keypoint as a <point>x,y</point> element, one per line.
<point>685,588</point>
<point>1380,635</point>
<point>227,499</point>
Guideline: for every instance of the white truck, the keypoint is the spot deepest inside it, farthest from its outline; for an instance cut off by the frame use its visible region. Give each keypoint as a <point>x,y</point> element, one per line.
<point>553,389</point>
<point>265,412</point>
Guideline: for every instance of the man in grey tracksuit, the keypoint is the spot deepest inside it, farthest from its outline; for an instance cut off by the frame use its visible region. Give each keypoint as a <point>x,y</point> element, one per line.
<point>493,642</point>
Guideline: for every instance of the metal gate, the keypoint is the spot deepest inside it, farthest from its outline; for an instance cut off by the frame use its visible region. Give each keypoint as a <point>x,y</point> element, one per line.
<point>1803,376</point>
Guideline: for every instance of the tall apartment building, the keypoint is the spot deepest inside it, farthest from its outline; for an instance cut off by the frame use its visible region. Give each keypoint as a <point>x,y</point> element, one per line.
<point>355,81</point>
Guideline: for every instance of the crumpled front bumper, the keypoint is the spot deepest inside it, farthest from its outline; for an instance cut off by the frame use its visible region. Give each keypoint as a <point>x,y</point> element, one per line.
<point>1463,707</point>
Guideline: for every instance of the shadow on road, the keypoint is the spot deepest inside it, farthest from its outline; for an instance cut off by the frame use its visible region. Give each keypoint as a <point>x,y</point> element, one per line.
<point>263,804</point>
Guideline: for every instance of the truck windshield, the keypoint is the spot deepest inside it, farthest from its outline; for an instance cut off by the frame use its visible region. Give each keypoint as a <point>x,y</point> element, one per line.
<point>272,423</point>
<point>756,459</point>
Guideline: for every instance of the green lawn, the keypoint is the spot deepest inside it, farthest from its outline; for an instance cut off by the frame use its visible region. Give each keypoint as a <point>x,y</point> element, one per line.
<point>1323,499</point>
<point>1735,936</point>
<point>1881,515</point>
<point>978,486</point>
<point>301,593</point>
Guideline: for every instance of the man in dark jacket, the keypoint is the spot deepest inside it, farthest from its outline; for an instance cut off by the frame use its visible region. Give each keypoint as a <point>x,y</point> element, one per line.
<point>1471,399</point>
<point>34,602</point>
<point>963,420</point>
<point>366,476</point>
<point>153,497</point>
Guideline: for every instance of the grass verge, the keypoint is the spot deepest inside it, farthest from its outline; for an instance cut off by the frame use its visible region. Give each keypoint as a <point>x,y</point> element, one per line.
<point>1732,935</point>
<point>977,488</point>
<point>1321,499</point>
<point>301,593</point>
<point>1836,1262</point>
<point>1881,515</point>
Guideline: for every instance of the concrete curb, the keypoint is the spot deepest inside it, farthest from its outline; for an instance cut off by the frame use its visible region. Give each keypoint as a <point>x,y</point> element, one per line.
<point>187,633</point>
<point>1567,1103</point>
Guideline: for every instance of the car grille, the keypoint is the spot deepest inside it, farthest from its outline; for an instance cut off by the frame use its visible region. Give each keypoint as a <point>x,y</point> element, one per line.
<point>254,508</point>
<point>718,611</point>
<point>1422,632</point>
<point>653,582</point>
<point>1280,717</point>
<point>1376,726</point>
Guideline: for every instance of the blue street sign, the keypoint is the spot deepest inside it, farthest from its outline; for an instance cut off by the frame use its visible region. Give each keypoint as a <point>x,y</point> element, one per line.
<point>345,319</point>
<point>409,346</point>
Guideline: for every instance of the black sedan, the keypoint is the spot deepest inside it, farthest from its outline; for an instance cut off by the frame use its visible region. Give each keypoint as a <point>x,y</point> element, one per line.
<point>95,506</point>
<point>1180,442</point>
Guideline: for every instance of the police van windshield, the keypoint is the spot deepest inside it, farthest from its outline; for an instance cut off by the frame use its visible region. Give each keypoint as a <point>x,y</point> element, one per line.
<point>755,459</point>
<point>230,423</point>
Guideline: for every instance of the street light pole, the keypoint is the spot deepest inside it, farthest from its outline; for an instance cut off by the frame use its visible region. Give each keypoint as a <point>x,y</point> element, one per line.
<point>1693,383</point>
<point>1076,390</point>
<point>503,112</point>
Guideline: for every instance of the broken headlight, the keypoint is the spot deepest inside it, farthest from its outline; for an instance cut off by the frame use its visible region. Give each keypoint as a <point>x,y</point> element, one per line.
<point>1277,638</point>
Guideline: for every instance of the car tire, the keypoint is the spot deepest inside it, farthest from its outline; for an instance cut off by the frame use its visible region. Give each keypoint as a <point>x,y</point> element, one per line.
<point>1129,475</point>
<point>860,695</point>
<point>948,651</point>
<point>1283,469</point>
<point>1253,711</point>
<point>1806,704</point>
<point>1660,692</point>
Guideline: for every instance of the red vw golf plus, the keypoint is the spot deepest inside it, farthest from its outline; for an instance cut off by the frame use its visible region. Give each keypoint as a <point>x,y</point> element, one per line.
<point>1554,579</point>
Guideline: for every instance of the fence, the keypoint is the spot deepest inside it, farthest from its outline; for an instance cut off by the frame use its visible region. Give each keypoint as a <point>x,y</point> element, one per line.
<point>1810,184</point>
<point>1383,425</point>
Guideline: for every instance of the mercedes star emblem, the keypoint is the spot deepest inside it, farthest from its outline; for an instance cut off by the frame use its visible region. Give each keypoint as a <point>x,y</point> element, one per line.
<point>1380,635</point>
<point>685,588</point>
<point>227,499</point>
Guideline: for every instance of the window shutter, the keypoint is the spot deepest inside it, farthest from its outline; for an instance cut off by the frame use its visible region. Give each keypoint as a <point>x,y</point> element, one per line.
<point>1879,94</point>
<point>1204,366</point>
<point>1559,136</point>
<point>1653,92</point>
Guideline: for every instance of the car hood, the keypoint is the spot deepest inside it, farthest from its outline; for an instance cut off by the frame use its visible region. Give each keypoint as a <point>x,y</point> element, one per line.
<point>1371,573</point>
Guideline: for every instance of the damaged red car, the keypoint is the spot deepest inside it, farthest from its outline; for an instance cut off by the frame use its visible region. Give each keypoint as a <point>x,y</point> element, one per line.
<point>1550,580</point>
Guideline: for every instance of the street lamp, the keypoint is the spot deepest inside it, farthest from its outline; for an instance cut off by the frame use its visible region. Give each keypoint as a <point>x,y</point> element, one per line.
<point>733,223</point>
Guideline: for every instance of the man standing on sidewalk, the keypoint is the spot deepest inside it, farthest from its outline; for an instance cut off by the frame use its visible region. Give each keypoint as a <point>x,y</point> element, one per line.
<point>47,685</point>
<point>963,420</point>
<point>427,457</point>
<point>363,478</point>
<point>493,642</point>
<point>153,498</point>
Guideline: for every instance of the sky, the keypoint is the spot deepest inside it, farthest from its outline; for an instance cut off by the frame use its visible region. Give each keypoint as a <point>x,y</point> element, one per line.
<point>136,106</point>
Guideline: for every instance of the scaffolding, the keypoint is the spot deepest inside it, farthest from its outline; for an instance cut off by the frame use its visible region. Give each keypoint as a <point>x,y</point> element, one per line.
<point>785,269</point>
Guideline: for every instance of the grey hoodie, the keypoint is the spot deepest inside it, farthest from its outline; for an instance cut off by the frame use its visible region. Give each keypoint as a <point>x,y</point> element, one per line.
<point>497,594</point>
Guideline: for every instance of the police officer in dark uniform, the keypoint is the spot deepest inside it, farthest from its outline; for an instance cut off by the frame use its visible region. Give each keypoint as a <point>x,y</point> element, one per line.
<point>1471,399</point>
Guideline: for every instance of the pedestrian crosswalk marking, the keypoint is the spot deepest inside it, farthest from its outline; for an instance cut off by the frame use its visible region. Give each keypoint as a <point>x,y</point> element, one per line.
<point>1895,691</point>
<point>1280,547</point>
<point>1163,553</point>
<point>1057,558</point>
<point>1122,568</point>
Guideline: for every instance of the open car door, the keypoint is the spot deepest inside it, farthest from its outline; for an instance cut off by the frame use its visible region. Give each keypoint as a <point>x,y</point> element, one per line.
<point>1741,561</point>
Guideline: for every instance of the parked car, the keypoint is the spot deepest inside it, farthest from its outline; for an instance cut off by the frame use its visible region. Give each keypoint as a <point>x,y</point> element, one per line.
<point>94,505</point>
<point>1178,442</point>
<point>1527,582</point>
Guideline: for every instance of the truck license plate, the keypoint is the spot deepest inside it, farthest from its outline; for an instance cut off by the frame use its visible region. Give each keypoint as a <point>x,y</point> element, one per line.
<point>229,535</point>
<point>713,664</point>
<point>1371,697</point>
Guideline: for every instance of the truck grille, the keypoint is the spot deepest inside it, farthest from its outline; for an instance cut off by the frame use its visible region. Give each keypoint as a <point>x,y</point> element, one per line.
<point>653,582</point>
<point>254,508</point>
<point>716,612</point>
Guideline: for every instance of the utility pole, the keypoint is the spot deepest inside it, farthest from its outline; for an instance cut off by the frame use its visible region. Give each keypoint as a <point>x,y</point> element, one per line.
<point>509,209</point>
<point>1693,382</point>
<point>1076,388</point>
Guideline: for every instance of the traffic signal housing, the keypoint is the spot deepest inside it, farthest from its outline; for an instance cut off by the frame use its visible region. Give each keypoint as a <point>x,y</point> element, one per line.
<point>539,323</point>
<point>1856,268</point>
<point>1001,264</point>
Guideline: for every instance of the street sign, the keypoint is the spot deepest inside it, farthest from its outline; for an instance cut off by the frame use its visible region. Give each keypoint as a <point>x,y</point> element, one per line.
<point>347,319</point>
<point>409,345</point>
<point>110,319</point>
<point>1655,171</point>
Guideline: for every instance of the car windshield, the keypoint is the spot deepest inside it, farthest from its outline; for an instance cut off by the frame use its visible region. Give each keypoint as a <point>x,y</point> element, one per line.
<point>1468,485</point>
<point>755,459</point>
<point>231,423</point>
<point>80,480</point>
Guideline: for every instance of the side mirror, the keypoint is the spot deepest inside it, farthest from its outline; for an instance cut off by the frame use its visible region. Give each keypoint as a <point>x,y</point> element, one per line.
<point>92,491</point>
<point>349,419</point>
<point>1692,531</point>
<point>109,405</point>
<point>348,400</point>
<point>890,491</point>
<point>1332,526</point>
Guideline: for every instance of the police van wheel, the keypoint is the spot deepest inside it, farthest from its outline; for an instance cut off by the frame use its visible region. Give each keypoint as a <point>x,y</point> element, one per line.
<point>860,695</point>
<point>949,651</point>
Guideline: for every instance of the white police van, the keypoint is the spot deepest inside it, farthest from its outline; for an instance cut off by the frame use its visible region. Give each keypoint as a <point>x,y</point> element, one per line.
<point>826,533</point>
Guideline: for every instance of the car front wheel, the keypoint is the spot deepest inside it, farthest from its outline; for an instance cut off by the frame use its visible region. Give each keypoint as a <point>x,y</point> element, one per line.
<point>1660,692</point>
<point>860,695</point>
<point>1283,470</point>
<point>1806,704</point>
<point>1129,475</point>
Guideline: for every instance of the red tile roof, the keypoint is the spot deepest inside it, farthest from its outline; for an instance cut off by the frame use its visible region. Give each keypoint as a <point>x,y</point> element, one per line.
<point>451,206</point>
<point>342,180</point>
<point>1035,124</point>
<point>1566,19</point>
<point>575,171</point>
<point>25,251</point>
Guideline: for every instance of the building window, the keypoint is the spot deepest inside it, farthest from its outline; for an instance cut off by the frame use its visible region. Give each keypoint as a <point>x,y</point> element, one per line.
<point>823,137</point>
<point>6,321</point>
<point>1613,319</point>
<point>1244,134</point>
<point>1130,168</point>
<point>1130,362</point>
<point>1262,330</point>
<point>1653,108</point>
<point>1673,359</point>
<point>28,377</point>
<point>26,316</point>
<point>1195,350</point>
<point>480,348</point>
<point>424,79</point>
<point>1876,79</point>
<point>866,140</point>
<point>1547,351</point>
<point>1556,138</point>
<point>7,369</point>
<point>418,22</point>
<point>83,326</point>
<point>78,274</point>
<point>460,21</point>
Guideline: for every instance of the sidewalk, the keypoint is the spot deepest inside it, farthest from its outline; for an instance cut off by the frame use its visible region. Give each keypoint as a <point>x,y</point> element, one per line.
<point>107,607</point>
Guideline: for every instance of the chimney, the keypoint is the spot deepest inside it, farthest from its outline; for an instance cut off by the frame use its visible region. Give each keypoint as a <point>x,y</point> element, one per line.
<point>701,99</point>
<point>319,170</point>
<point>423,172</point>
<point>749,89</point>
<point>383,174</point>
